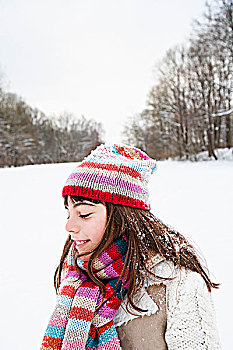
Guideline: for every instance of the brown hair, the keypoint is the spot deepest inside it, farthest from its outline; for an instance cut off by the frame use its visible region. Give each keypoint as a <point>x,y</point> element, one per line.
<point>146,235</point>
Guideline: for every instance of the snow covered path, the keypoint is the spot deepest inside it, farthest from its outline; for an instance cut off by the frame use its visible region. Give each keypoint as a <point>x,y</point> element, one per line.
<point>195,198</point>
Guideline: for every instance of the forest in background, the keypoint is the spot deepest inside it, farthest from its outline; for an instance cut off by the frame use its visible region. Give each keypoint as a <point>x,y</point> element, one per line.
<point>190,108</point>
<point>28,136</point>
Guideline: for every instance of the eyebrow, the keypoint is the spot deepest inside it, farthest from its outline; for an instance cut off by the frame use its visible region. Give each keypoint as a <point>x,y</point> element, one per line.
<point>82,203</point>
<point>77,204</point>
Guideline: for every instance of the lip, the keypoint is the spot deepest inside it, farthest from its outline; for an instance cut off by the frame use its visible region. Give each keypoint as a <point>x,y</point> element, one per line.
<point>78,243</point>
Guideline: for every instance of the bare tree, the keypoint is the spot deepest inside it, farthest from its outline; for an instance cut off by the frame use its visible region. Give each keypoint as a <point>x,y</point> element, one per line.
<point>190,108</point>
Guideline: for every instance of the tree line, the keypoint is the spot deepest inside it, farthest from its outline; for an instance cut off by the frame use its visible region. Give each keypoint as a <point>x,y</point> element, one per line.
<point>28,136</point>
<point>188,110</point>
<point>190,107</point>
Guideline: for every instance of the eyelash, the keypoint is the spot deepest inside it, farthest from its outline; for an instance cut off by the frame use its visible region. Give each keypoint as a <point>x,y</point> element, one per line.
<point>85,215</point>
<point>82,216</point>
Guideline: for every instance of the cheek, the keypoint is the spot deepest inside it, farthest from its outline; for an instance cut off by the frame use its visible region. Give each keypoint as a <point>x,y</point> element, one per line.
<point>97,231</point>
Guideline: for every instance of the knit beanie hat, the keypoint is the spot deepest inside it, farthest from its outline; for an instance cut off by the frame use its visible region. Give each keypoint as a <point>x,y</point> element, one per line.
<point>113,173</point>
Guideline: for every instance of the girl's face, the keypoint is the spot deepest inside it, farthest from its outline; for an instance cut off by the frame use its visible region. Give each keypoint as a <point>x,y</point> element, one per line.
<point>86,224</point>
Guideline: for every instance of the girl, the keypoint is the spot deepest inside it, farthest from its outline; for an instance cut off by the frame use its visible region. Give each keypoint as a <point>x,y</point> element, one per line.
<point>125,279</point>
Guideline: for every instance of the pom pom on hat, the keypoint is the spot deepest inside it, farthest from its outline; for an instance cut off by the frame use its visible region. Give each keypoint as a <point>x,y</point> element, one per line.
<point>113,173</point>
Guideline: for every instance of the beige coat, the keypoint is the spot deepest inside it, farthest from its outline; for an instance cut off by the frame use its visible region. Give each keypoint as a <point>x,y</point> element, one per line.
<point>138,333</point>
<point>181,314</point>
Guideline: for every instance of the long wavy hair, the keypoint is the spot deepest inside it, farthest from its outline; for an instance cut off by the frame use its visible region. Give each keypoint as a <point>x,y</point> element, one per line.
<point>147,235</point>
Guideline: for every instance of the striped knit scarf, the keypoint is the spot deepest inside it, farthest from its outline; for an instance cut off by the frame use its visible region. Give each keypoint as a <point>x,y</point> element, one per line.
<point>77,322</point>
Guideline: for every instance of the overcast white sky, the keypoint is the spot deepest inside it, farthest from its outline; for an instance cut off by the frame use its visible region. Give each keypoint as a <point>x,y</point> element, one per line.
<point>90,57</point>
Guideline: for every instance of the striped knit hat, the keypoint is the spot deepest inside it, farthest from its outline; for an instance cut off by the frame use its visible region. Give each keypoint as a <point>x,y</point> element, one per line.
<point>113,173</point>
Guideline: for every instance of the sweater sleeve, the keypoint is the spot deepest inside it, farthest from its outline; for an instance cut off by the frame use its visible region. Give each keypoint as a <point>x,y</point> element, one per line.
<point>191,322</point>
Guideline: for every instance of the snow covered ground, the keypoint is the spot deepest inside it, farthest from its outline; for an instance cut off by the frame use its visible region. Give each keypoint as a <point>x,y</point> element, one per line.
<point>195,198</point>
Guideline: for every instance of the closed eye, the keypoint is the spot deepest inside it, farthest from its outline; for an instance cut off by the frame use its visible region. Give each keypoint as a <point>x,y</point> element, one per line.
<point>85,215</point>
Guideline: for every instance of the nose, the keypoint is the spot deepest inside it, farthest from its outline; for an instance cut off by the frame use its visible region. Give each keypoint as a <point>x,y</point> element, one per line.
<point>72,226</point>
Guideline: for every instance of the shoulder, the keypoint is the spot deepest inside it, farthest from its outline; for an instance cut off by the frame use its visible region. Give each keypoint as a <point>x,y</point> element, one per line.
<point>186,281</point>
<point>187,286</point>
<point>186,290</point>
<point>181,278</point>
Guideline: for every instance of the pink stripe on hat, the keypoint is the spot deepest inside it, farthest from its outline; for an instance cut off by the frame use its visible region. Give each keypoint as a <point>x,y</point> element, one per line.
<point>130,168</point>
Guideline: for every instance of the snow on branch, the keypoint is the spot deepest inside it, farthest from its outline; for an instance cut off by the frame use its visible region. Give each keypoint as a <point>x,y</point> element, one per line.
<point>222,113</point>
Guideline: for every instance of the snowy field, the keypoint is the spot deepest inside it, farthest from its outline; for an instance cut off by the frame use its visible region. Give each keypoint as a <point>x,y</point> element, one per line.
<point>195,198</point>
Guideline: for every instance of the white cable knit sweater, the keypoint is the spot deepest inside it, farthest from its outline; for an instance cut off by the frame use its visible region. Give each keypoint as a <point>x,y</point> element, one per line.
<point>191,322</point>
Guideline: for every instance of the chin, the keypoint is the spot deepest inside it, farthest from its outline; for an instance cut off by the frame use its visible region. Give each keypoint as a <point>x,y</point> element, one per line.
<point>85,257</point>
